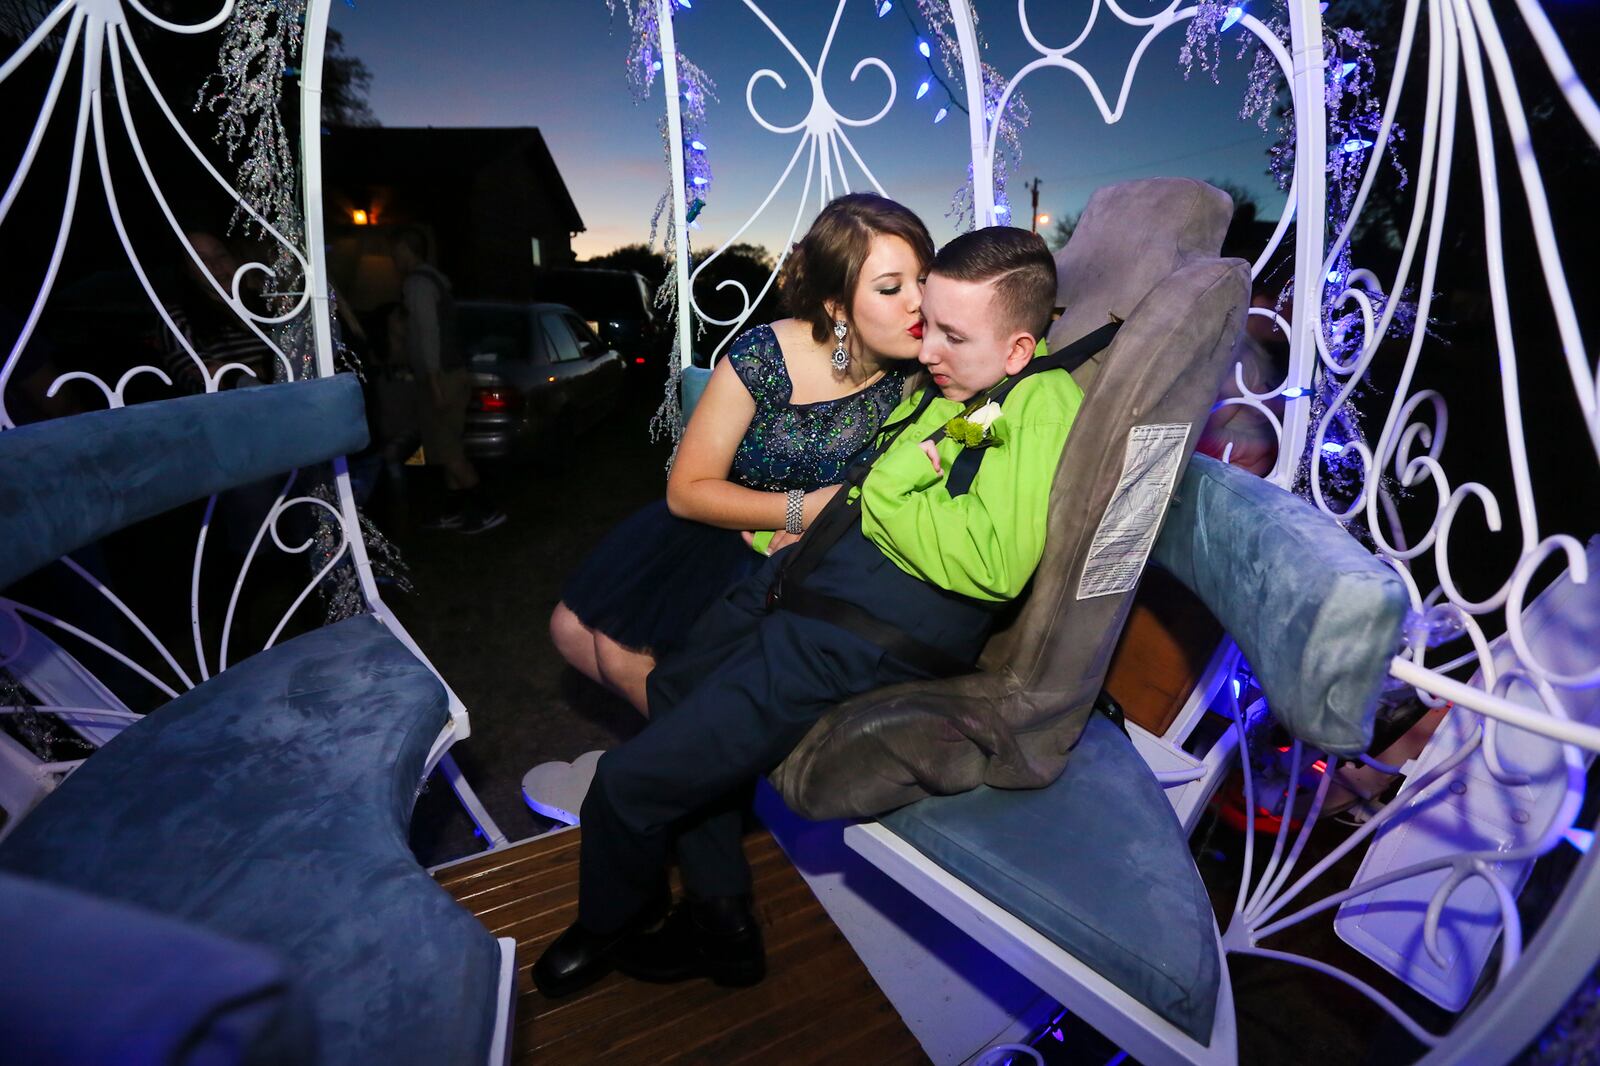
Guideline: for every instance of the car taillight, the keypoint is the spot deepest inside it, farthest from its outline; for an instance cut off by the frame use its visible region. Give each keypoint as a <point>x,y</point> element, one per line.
<point>639,359</point>
<point>496,400</point>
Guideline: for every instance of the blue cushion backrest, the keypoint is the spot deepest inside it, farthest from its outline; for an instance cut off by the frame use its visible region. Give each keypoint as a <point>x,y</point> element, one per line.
<point>85,980</point>
<point>1317,616</point>
<point>271,804</point>
<point>68,482</point>
<point>694,382</point>
<point>1096,862</point>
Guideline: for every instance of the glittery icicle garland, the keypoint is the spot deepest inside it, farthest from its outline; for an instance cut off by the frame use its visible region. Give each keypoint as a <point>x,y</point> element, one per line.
<point>32,726</point>
<point>260,47</point>
<point>696,88</point>
<point>936,16</point>
<point>1354,116</point>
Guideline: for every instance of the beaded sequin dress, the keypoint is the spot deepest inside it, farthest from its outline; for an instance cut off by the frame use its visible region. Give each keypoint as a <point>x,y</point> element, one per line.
<point>648,580</point>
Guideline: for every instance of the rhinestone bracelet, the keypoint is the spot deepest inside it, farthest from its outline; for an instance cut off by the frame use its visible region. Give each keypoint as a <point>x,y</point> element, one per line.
<point>794,513</point>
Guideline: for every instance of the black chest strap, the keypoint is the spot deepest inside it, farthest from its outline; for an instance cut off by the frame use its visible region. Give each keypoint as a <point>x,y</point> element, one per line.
<point>843,513</point>
<point>965,465</point>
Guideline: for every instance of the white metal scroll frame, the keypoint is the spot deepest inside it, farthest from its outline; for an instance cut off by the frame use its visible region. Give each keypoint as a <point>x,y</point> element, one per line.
<point>317,283</point>
<point>99,32</point>
<point>1466,59</point>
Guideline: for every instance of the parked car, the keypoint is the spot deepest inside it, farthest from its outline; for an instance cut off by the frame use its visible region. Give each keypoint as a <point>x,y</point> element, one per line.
<point>539,375</point>
<point>616,305</point>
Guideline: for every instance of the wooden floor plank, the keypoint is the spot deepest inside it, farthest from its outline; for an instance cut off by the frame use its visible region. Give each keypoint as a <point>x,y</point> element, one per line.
<point>653,1005</point>
<point>817,1000</point>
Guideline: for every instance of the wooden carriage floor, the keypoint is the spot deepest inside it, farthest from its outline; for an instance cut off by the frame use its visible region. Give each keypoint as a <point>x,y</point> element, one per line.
<point>817,1004</point>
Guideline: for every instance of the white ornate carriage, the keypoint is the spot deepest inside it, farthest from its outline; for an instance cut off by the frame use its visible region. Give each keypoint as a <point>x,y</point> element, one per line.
<point>1524,724</point>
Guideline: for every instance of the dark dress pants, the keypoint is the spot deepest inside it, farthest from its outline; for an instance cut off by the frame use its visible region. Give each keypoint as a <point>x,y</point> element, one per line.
<point>725,709</point>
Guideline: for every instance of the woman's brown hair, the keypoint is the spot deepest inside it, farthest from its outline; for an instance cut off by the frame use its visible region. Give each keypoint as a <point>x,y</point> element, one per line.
<point>826,263</point>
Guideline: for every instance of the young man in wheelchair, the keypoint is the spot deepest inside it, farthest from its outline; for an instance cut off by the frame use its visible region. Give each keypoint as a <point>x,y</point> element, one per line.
<point>900,579</point>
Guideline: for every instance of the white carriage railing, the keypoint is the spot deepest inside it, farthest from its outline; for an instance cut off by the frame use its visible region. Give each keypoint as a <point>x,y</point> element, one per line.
<point>1462,43</point>
<point>1463,47</point>
<point>101,35</point>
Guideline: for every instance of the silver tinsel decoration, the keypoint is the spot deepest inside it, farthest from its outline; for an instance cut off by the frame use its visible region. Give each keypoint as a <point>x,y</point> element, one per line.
<point>1355,114</point>
<point>262,41</point>
<point>1008,150</point>
<point>341,592</point>
<point>246,94</point>
<point>33,727</point>
<point>696,88</point>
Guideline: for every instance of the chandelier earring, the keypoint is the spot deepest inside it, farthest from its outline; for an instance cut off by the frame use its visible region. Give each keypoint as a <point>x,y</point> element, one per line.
<point>841,357</point>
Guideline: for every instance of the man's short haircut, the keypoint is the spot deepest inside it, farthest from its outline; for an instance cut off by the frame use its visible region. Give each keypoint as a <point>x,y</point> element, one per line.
<point>413,238</point>
<point>1019,265</point>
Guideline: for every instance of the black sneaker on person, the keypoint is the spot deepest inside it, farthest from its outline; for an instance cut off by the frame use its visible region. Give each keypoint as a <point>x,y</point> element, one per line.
<point>447,520</point>
<point>481,521</point>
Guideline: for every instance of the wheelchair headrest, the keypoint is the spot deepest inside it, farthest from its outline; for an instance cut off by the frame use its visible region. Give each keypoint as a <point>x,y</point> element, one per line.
<point>1130,237</point>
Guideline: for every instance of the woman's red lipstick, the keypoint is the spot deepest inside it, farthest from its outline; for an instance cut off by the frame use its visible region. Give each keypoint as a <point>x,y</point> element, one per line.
<point>916,331</point>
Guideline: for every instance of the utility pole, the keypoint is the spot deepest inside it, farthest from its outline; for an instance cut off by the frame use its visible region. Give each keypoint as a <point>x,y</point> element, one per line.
<point>1033,225</point>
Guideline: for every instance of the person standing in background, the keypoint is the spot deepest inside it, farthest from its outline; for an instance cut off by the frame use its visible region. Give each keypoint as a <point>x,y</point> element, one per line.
<point>442,388</point>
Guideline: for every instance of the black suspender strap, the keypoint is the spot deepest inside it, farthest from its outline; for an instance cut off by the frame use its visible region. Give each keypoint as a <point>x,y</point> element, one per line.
<point>965,465</point>
<point>895,641</point>
<point>841,513</point>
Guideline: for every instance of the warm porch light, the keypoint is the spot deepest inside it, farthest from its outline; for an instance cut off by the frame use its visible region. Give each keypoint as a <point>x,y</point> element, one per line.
<point>359,217</point>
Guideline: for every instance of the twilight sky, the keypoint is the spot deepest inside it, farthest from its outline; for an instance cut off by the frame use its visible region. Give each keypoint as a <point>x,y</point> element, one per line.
<point>558,65</point>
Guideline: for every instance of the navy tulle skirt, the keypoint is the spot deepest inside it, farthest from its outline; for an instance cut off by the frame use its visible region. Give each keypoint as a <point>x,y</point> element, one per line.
<point>647,582</point>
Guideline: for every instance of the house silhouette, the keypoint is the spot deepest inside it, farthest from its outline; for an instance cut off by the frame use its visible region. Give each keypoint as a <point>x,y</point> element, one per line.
<point>491,199</point>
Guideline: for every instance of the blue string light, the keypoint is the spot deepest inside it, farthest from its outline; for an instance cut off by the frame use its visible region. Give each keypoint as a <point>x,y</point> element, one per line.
<point>698,180</point>
<point>1234,15</point>
<point>1332,448</point>
<point>1294,392</point>
<point>698,146</point>
<point>1002,209</point>
<point>1344,71</point>
<point>926,51</point>
<point>1355,144</point>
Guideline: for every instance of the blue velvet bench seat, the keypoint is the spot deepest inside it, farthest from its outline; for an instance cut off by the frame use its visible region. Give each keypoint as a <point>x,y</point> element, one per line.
<point>1086,887</point>
<point>271,805</point>
<point>165,992</point>
<point>1096,862</point>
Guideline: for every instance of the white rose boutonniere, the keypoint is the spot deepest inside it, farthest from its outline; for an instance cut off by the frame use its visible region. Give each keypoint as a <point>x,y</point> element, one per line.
<point>979,428</point>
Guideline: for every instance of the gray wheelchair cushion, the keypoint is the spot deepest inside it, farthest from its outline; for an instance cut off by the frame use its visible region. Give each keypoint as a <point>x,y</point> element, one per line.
<point>1012,724</point>
<point>271,804</point>
<point>1130,237</point>
<point>1097,863</point>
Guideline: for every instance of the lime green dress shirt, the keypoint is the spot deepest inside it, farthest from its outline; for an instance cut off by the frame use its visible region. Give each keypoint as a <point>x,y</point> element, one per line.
<point>987,542</point>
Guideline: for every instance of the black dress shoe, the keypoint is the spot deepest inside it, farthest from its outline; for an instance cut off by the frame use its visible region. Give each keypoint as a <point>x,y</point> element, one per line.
<point>717,938</point>
<point>579,957</point>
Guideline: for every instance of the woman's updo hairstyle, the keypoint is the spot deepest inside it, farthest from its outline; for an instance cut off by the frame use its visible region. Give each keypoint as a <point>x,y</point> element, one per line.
<point>826,263</point>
